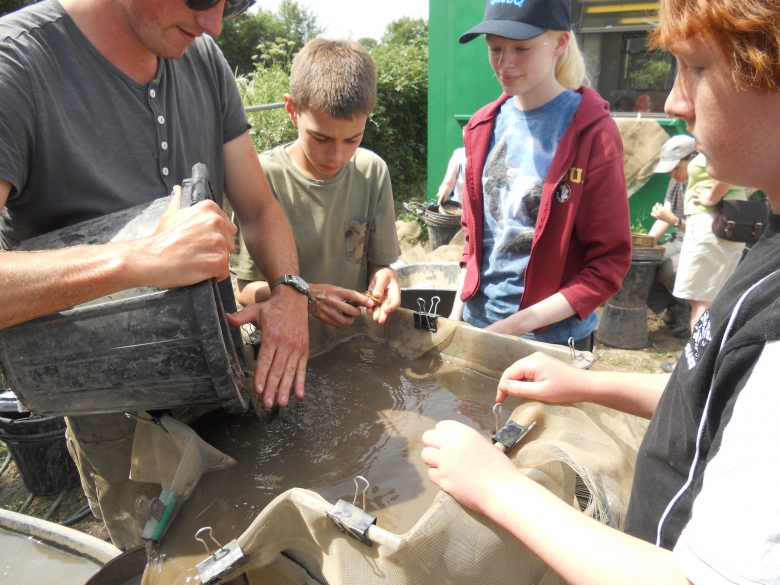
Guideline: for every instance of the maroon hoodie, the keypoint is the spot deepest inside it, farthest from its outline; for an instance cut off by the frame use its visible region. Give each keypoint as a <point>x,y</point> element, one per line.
<point>582,244</point>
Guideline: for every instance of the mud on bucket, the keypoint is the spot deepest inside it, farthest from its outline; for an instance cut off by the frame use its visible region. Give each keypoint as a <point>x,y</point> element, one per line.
<point>443,223</point>
<point>38,447</point>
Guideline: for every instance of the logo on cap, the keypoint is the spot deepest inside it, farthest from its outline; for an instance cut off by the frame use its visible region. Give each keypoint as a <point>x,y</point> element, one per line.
<point>518,3</point>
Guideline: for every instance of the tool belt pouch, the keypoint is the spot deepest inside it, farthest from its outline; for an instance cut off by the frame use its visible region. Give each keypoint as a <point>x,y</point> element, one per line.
<point>740,221</point>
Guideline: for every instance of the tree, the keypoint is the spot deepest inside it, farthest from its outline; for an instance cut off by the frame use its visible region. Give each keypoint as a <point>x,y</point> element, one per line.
<point>7,6</point>
<point>406,31</point>
<point>298,22</point>
<point>398,129</point>
<point>368,42</point>
<point>242,39</point>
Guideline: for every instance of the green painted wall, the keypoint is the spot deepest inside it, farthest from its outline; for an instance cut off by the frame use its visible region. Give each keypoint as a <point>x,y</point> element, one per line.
<point>460,80</point>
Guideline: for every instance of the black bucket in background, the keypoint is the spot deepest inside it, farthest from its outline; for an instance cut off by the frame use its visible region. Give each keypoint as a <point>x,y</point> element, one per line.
<point>37,446</point>
<point>624,320</point>
<point>441,227</point>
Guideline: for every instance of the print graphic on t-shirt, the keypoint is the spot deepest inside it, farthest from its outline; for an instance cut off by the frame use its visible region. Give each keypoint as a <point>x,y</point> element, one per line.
<point>702,335</point>
<point>512,235</point>
<point>355,239</point>
<point>496,182</point>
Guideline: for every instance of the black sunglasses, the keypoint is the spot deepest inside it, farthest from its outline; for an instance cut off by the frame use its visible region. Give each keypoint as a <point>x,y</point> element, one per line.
<point>232,7</point>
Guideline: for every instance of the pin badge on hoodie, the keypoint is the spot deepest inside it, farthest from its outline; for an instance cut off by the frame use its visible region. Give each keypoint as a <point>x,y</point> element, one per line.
<point>563,193</point>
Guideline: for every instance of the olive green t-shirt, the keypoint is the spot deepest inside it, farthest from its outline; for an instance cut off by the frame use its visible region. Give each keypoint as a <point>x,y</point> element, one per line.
<point>698,177</point>
<point>339,225</point>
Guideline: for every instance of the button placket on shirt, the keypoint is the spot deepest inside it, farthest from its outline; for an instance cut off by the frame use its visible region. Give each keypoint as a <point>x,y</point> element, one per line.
<point>161,128</point>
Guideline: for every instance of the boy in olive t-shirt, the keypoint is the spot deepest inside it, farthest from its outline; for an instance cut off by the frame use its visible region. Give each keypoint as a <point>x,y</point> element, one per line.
<point>337,196</point>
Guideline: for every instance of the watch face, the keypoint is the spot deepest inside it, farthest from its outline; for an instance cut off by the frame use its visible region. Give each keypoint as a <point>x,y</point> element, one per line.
<point>299,283</point>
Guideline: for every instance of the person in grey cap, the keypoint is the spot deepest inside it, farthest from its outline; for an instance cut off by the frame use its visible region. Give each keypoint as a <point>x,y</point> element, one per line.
<point>676,153</point>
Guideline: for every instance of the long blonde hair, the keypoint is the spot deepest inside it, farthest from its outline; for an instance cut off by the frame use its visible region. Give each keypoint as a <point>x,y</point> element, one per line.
<point>570,68</point>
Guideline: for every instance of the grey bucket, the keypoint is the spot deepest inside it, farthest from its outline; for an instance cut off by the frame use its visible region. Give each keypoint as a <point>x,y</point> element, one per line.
<point>140,349</point>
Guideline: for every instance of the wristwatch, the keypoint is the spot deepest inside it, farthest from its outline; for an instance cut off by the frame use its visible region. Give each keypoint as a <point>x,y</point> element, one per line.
<point>296,282</point>
<point>679,222</point>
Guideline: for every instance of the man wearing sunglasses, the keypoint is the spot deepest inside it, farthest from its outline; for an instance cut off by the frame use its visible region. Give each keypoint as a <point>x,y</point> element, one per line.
<point>107,104</point>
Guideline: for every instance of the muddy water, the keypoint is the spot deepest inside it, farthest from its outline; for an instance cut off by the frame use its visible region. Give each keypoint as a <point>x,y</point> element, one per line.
<point>364,413</point>
<point>27,561</point>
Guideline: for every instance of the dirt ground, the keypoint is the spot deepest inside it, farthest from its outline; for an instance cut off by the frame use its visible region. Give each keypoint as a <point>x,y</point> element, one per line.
<point>13,495</point>
<point>662,346</point>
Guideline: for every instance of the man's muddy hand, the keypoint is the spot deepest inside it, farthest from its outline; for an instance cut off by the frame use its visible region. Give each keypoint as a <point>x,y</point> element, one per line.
<point>284,349</point>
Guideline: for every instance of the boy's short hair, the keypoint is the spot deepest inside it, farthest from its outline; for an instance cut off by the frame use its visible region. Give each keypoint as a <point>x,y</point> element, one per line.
<point>336,77</point>
<point>748,32</point>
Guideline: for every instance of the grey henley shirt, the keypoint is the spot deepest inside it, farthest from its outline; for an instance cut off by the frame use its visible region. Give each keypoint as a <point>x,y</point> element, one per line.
<point>80,139</point>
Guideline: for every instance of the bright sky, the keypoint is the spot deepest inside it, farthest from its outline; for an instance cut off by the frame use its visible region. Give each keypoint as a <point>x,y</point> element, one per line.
<point>358,18</point>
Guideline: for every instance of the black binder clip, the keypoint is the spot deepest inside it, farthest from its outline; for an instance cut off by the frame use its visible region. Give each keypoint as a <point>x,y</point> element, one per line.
<point>424,319</point>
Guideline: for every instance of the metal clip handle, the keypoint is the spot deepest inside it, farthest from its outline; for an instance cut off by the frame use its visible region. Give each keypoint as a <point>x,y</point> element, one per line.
<point>211,536</point>
<point>357,488</point>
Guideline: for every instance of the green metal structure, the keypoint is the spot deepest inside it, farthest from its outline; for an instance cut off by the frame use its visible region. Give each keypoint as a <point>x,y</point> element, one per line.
<point>460,81</point>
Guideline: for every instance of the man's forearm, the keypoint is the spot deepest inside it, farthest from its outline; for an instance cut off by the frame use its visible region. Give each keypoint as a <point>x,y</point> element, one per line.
<point>189,245</point>
<point>271,243</point>
<point>33,284</point>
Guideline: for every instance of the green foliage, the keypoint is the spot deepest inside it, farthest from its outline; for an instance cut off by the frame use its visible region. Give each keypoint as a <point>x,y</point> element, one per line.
<point>406,31</point>
<point>268,84</point>
<point>398,129</point>
<point>651,71</point>
<point>298,22</point>
<point>7,6</point>
<point>638,227</point>
<point>240,38</point>
<point>247,36</point>
<point>368,42</point>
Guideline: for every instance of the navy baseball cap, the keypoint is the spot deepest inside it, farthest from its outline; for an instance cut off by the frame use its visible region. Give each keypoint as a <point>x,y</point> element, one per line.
<point>521,20</point>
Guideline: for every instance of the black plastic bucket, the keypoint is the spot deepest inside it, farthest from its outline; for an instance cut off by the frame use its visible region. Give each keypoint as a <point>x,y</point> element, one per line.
<point>38,447</point>
<point>139,349</point>
<point>636,285</point>
<point>623,327</point>
<point>441,227</point>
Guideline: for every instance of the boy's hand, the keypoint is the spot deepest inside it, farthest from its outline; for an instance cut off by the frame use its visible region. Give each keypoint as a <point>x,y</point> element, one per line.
<point>544,378</point>
<point>464,464</point>
<point>331,306</point>
<point>384,286</point>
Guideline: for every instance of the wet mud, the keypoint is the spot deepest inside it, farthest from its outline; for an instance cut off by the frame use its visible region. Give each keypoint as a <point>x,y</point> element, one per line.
<point>364,413</point>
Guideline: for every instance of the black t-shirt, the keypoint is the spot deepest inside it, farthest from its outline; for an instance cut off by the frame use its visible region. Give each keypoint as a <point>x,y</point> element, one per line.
<point>670,445</point>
